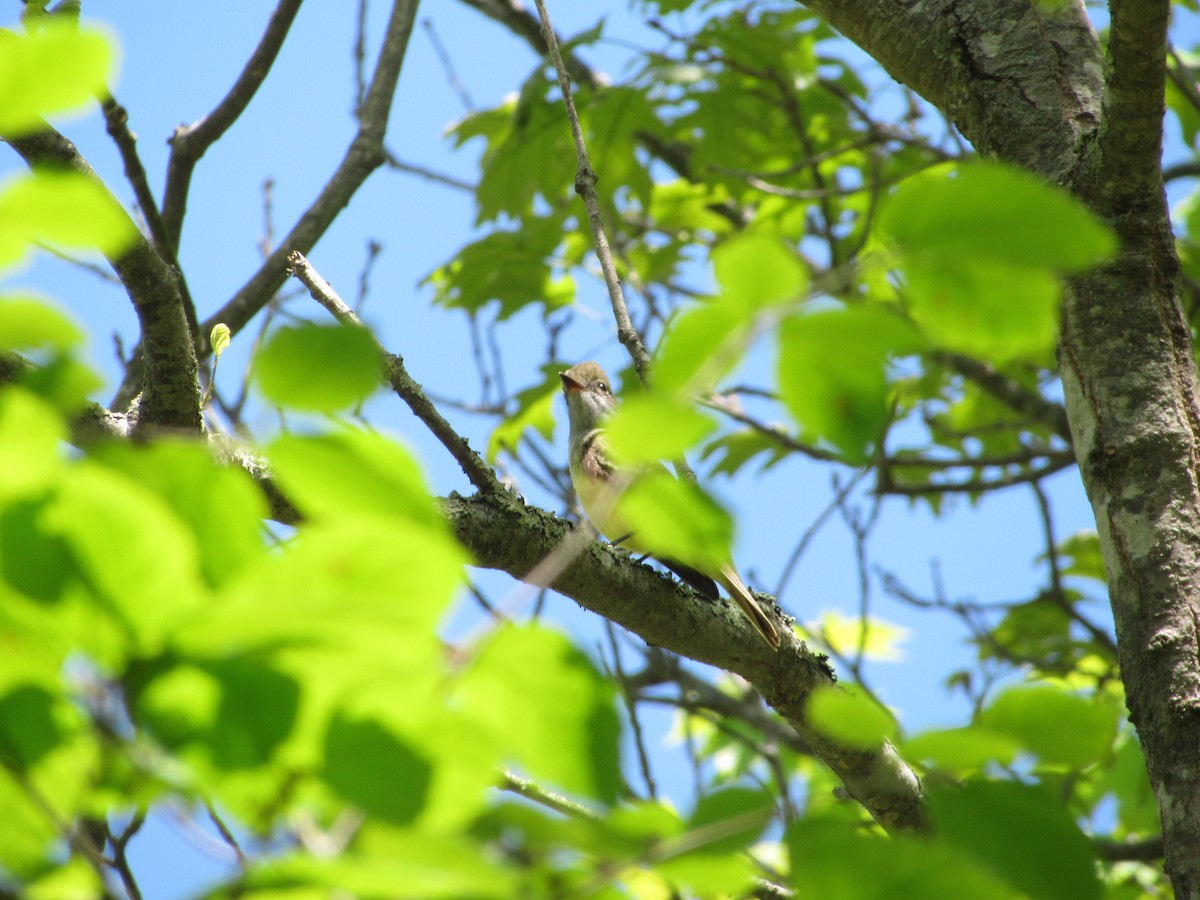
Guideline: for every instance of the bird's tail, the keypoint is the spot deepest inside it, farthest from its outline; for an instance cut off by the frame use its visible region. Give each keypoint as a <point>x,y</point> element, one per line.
<point>739,592</point>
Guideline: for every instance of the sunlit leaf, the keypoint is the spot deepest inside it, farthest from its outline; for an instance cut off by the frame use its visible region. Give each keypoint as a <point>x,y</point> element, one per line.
<point>677,519</point>
<point>65,209</point>
<point>318,368</point>
<point>850,716</point>
<point>568,737</point>
<point>55,68</point>
<point>353,472</point>
<point>850,635</point>
<point>756,270</point>
<point>535,409</point>
<point>1058,726</point>
<point>34,323</point>
<point>962,749</point>
<point>652,427</point>
<point>833,372</point>
<point>988,211</point>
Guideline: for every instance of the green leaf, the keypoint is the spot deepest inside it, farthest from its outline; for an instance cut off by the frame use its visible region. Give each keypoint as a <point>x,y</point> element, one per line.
<point>962,749</point>
<point>676,519</point>
<point>833,372</point>
<point>65,209</point>
<point>369,586</point>
<point>652,427</point>
<point>874,638</point>
<point>756,270</point>
<point>1083,556</point>
<point>56,68</point>
<point>549,708</point>
<point>404,864</point>
<point>729,820</point>
<point>33,323</point>
<point>28,726</point>
<point>352,472</point>
<point>1022,834</point>
<point>1059,726</point>
<point>992,310</point>
<point>220,338</point>
<point>987,211</point>
<point>850,716</point>
<point>139,560</point>
<point>376,769</point>
<point>843,861</point>
<point>511,268</point>
<point>221,506</point>
<point>232,713</point>
<point>31,440</point>
<point>701,347</point>
<point>319,368</point>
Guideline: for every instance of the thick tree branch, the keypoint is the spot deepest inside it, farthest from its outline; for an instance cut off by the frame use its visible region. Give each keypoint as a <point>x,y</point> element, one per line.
<point>503,534</point>
<point>1006,72</point>
<point>171,395</point>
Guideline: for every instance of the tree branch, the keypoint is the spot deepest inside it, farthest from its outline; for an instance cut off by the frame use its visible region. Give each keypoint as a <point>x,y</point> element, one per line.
<point>504,534</point>
<point>190,142</point>
<point>171,398</point>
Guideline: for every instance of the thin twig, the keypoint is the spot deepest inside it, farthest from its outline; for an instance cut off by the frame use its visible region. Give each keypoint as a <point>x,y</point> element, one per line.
<point>408,390</point>
<point>531,791</point>
<point>585,187</point>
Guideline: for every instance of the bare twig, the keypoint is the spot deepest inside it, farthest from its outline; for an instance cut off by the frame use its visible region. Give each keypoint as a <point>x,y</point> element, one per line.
<point>408,390</point>
<point>585,186</point>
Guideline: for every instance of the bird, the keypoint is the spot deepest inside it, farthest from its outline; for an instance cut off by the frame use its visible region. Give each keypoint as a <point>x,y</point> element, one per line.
<point>599,483</point>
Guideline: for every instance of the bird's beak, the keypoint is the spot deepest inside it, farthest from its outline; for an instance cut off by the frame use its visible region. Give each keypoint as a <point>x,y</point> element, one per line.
<point>570,385</point>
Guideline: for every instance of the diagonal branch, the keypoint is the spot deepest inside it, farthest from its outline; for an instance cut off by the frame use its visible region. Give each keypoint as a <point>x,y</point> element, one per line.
<point>365,154</point>
<point>504,534</point>
<point>190,142</point>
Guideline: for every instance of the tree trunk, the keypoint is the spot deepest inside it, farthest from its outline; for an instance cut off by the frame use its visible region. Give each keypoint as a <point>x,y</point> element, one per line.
<point>1022,82</point>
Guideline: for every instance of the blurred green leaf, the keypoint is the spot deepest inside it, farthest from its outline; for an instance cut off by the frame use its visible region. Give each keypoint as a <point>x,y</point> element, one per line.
<point>352,472</point>
<point>842,861</point>
<point>376,769</point>
<point>31,440</point>
<point>677,519</point>
<point>550,709</point>
<point>989,309</point>
<point>962,749</point>
<point>404,863</point>
<point>34,323</point>
<point>988,211</point>
<point>55,68</point>
<point>874,638</point>
<point>137,557</point>
<point>652,427</point>
<point>220,505</point>
<point>1059,726</point>
<point>833,372</point>
<point>849,716</point>
<point>1083,556</point>
<point>318,368</point>
<point>755,269</point>
<point>1022,834</point>
<point>64,209</point>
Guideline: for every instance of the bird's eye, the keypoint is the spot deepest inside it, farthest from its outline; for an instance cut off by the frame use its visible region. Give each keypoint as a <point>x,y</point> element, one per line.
<point>602,387</point>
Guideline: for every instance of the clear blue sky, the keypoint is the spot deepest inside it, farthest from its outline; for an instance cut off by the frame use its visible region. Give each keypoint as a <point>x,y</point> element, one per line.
<point>178,60</point>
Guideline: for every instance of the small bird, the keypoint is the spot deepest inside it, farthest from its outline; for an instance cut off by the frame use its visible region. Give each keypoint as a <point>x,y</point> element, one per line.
<point>599,484</point>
